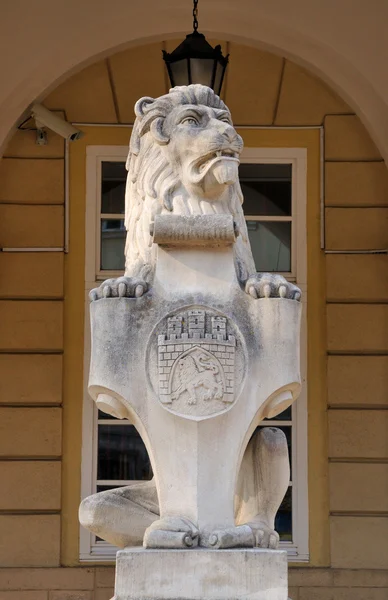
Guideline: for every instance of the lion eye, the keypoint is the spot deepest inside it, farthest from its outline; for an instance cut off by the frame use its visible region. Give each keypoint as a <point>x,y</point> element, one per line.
<point>190,121</point>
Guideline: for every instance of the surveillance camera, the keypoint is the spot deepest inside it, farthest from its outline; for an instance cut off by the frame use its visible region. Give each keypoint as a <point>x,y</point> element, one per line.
<point>45,118</point>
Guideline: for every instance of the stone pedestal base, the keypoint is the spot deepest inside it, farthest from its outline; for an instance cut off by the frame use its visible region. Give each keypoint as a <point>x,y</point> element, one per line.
<point>201,574</point>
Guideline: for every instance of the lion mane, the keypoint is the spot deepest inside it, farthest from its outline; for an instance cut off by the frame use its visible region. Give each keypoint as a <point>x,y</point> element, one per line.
<point>187,370</point>
<point>152,182</point>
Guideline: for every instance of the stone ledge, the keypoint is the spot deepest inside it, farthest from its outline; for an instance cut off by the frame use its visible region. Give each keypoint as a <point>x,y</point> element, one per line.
<point>196,574</point>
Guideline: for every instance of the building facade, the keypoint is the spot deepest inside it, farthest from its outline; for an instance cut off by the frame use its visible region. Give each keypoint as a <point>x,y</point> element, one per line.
<point>61,231</point>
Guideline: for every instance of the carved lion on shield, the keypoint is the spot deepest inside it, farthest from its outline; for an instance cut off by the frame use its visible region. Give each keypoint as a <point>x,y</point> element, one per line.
<point>191,377</point>
<point>183,160</point>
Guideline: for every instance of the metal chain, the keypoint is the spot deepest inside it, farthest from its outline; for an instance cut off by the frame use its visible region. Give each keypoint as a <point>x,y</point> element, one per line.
<point>195,15</point>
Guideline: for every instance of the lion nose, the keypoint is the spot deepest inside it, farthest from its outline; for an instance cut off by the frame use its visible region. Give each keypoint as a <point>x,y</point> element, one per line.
<point>229,133</point>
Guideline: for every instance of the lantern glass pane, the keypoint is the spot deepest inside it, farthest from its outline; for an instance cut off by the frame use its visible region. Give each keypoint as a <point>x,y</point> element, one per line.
<point>202,70</point>
<point>179,70</point>
<point>218,78</point>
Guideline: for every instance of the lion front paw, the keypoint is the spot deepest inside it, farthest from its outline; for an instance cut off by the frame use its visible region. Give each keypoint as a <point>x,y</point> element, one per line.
<point>171,532</point>
<point>265,536</point>
<point>122,287</point>
<point>267,285</point>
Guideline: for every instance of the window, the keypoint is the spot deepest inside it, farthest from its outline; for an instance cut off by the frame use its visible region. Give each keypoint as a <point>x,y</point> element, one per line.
<point>273,183</point>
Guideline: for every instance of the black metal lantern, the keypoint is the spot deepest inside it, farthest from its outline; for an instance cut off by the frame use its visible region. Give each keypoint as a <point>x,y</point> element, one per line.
<point>196,61</point>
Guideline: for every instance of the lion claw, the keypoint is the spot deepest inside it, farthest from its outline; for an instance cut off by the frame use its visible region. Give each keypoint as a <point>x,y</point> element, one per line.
<point>268,285</point>
<point>122,287</point>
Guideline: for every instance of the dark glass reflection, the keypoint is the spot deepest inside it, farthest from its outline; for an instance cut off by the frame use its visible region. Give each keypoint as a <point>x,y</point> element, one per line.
<point>113,235</point>
<point>113,179</point>
<point>266,189</point>
<point>271,245</point>
<point>122,453</point>
<point>283,520</point>
<point>104,488</point>
<point>102,415</point>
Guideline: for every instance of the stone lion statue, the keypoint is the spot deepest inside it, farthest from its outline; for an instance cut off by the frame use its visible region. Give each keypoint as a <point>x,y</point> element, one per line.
<point>183,160</point>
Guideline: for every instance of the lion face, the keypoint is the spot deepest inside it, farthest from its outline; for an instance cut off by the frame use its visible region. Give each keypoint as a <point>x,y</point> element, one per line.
<point>203,146</point>
<point>183,159</point>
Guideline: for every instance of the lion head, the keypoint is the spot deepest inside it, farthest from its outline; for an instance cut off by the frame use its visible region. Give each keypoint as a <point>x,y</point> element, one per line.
<point>183,159</point>
<point>187,369</point>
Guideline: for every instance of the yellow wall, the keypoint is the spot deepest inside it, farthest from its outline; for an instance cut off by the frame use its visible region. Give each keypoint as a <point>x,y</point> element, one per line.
<point>42,299</point>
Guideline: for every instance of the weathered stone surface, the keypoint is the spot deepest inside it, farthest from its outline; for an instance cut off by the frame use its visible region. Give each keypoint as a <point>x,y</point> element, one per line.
<point>238,574</point>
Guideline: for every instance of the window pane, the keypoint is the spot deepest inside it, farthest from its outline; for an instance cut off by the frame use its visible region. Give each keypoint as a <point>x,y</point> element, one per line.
<point>122,453</point>
<point>104,488</point>
<point>112,244</point>
<point>114,177</point>
<point>283,520</point>
<point>266,189</point>
<point>102,415</point>
<point>271,245</point>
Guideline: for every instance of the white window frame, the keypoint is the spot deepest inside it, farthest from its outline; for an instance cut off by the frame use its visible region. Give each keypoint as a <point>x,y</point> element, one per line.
<point>297,550</point>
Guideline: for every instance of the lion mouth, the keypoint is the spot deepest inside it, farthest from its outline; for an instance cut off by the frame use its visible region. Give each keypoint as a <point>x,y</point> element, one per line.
<point>213,157</point>
<point>202,166</point>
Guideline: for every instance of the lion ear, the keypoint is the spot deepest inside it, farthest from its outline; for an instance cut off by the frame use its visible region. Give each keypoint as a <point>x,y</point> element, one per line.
<point>157,131</point>
<point>142,104</point>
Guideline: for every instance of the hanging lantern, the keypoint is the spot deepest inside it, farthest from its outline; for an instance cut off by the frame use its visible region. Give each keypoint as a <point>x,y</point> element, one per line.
<point>196,61</point>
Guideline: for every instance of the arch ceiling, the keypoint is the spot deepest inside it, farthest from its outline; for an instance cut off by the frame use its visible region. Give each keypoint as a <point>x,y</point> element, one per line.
<point>344,43</point>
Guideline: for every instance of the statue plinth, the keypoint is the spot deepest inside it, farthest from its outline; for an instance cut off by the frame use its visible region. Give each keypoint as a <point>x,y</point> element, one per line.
<point>201,574</point>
